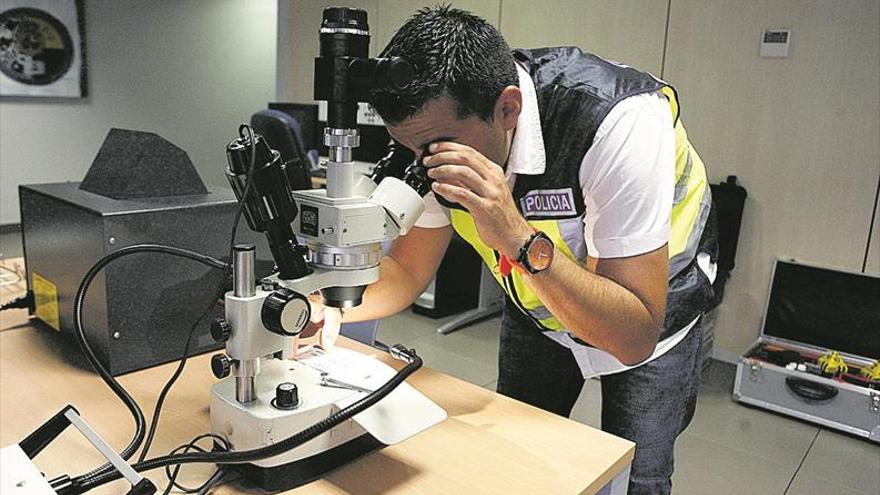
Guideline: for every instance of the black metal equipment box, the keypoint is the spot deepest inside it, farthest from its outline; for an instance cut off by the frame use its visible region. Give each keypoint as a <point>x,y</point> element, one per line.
<point>793,368</point>
<point>139,311</point>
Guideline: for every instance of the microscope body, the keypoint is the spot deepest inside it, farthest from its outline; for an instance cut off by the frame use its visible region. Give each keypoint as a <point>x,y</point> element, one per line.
<point>266,393</point>
<point>267,399</point>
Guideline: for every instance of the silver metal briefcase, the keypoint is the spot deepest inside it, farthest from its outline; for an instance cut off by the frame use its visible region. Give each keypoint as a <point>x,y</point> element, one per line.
<point>811,311</point>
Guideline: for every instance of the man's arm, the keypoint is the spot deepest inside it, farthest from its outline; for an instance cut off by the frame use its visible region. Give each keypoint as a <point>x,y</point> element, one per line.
<point>619,306</point>
<point>405,271</point>
<point>615,304</point>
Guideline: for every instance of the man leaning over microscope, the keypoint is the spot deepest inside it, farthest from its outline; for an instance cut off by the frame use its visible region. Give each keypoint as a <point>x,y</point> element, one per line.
<point>574,180</point>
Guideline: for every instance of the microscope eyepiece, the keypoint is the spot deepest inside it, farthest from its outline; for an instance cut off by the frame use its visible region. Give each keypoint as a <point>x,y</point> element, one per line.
<point>339,18</point>
<point>417,178</point>
<point>344,72</point>
<point>387,74</point>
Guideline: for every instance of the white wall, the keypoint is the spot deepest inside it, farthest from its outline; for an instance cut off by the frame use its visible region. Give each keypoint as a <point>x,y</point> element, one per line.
<point>630,31</point>
<point>190,71</point>
<point>800,133</point>
<point>872,261</point>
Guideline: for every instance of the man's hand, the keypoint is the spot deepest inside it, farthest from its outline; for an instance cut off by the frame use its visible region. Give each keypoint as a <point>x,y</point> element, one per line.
<point>316,319</point>
<point>323,327</point>
<point>465,176</point>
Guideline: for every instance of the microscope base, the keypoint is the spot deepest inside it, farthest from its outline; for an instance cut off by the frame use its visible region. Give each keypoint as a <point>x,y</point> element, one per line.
<point>245,426</point>
<point>298,473</point>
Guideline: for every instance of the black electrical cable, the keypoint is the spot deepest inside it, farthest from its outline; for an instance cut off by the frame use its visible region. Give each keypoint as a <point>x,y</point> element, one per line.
<point>415,362</point>
<point>157,411</point>
<point>220,289</point>
<point>212,481</point>
<point>247,186</point>
<point>219,292</point>
<point>24,302</point>
<point>172,473</point>
<point>79,333</point>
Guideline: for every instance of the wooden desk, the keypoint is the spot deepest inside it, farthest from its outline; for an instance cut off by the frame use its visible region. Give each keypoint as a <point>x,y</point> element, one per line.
<point>489,443</point>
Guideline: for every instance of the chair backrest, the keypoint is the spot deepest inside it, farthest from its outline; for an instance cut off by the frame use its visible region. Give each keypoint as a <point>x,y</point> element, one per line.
<point>282,133</point>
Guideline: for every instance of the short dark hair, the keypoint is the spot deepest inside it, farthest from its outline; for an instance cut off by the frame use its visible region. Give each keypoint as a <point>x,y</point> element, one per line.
<point>453,53</point>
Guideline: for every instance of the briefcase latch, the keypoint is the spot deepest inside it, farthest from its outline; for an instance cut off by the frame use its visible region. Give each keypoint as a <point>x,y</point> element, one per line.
<point>754,371</point>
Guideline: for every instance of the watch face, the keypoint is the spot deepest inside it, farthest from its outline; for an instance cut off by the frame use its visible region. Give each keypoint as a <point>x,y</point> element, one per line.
<point>540,254</point>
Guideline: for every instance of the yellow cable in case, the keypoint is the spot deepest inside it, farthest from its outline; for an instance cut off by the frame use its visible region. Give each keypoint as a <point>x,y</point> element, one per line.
<point>833,363</point>
<point>871,372</point>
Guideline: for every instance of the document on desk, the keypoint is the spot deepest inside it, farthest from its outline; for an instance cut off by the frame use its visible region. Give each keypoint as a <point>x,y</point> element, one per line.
<point>19,475</point>
<point>400,415</point>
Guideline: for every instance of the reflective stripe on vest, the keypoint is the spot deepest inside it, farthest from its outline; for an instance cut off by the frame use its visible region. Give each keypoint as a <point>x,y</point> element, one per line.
<point>689,214</point>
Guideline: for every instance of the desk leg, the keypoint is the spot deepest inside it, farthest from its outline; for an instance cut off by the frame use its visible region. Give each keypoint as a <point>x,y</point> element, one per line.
<point>618,485</point>
<point>467,318</point>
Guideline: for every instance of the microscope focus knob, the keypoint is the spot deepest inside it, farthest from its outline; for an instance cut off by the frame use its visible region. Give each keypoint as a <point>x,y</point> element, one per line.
<point>286,396</point>
<point>220,330</point>
<point>285,312</point>
<point>220,365</point>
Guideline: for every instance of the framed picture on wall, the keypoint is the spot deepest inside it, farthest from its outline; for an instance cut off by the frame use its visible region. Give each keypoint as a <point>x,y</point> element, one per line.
<point>42,48</point>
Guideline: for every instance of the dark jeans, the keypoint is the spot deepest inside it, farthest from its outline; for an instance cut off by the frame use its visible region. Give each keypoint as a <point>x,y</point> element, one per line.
<point>649,405</point>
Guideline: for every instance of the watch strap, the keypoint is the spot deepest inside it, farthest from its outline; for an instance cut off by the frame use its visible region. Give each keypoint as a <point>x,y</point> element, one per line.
<point>506,264</point>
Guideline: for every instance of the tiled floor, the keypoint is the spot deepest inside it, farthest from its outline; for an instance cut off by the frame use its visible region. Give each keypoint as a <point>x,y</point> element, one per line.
<point>728,448</point>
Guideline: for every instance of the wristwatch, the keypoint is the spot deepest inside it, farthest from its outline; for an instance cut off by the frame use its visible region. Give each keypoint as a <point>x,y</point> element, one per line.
<point>536,254</point>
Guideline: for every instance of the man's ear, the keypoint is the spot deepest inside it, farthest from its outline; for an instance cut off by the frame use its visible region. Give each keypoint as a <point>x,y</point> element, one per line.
<point>508,106</point>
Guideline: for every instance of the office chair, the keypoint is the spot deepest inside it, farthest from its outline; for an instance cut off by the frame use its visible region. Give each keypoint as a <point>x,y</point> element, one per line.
<point>283,133</point>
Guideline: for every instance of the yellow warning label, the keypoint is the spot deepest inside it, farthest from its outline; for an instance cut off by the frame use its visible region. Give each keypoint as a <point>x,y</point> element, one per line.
<point>46,301</point>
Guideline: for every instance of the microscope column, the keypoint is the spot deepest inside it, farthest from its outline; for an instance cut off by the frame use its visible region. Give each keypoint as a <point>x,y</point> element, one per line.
<point>341,174</point>
<point>244,285</point>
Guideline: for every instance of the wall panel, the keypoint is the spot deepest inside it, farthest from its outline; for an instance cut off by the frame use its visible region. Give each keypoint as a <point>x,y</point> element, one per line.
<point>189,71</point>
<point>873,254</point>
<point>630,31</point>
<point>801,133</point>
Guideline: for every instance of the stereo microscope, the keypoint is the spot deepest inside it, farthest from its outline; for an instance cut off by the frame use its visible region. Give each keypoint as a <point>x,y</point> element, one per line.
<point>267,390</point>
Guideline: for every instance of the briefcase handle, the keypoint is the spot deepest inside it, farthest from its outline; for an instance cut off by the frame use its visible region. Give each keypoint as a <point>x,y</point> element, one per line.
<point>810,390</point>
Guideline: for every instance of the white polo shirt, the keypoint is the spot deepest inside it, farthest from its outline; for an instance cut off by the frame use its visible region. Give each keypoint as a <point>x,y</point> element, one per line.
<point>627,178</point>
